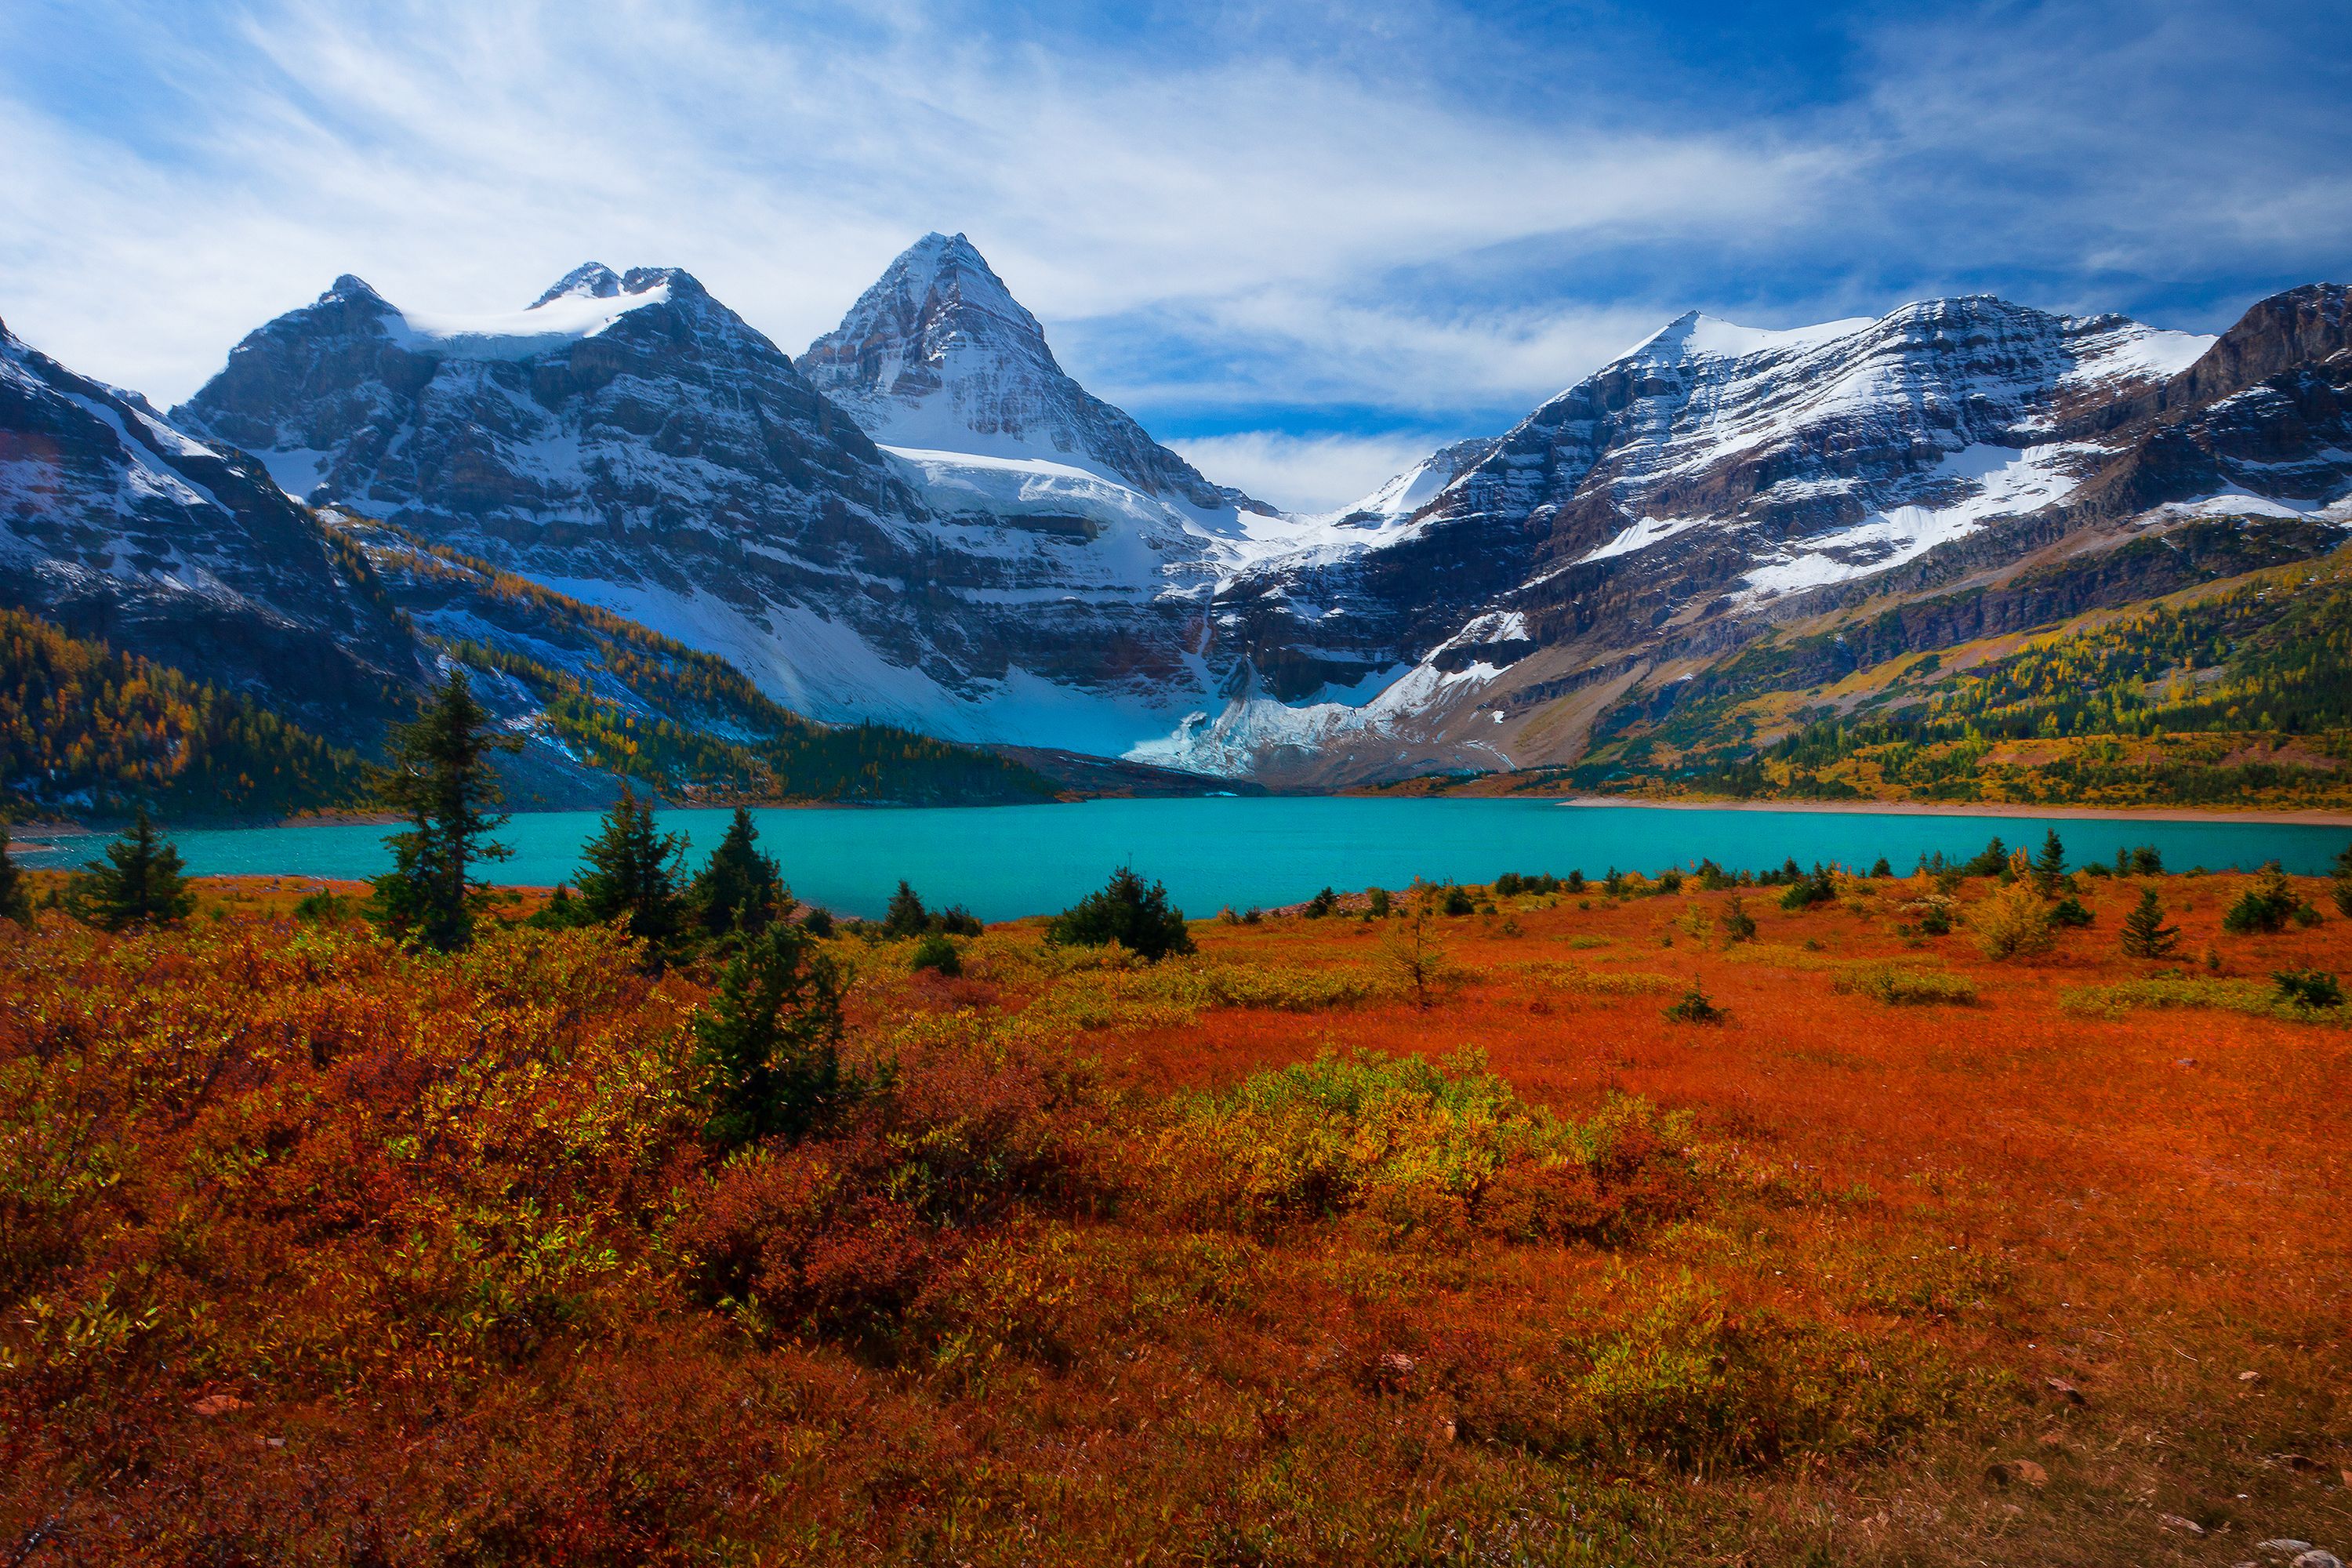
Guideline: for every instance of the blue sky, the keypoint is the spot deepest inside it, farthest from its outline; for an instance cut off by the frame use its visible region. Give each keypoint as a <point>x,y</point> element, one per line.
<point>1303,242</point>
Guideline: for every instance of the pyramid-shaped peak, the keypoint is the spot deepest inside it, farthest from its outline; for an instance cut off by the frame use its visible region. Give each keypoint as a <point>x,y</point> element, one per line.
<point>939,275</point>
<point>589,280</point>
<point>349,286</point>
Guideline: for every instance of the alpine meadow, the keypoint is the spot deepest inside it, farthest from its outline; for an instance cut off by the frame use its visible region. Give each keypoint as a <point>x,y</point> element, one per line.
<point>1214,886</point>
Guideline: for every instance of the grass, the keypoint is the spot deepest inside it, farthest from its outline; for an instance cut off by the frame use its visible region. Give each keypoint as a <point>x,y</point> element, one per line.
<point>312,1251</point>
<point>1898,986</point>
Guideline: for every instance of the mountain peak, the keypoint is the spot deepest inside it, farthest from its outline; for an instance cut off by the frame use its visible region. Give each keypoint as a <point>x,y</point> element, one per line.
<point>939,356</point>
<point>589,280</point>
<point>938,296</point>
<point>350,288</point>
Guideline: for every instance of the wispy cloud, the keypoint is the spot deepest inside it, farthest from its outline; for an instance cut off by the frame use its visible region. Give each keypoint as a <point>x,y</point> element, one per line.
<point>1371,219</point>
<point>1305,473</point>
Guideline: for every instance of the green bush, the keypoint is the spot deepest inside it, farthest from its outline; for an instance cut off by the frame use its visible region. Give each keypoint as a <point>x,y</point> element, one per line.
<point>2309,988</point>
<point>936,953</point>
<point>2265,907</point>
<point>1127,911</point>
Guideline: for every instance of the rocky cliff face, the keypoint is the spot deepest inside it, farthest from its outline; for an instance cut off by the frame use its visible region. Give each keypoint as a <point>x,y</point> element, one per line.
<point>1716,482</point>
<point>114,524</point>
<point>1024,564</point>
<point>939,356</point>
<point>926,520</point>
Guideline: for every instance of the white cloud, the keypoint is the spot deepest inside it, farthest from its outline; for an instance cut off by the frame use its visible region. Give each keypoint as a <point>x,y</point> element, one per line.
<point>459,156</point>
<point>1244,231</point>
<point>1304,473</point>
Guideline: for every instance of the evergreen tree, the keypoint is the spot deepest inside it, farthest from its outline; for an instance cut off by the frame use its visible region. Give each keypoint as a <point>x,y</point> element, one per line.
<point>2341,883</point>
<point>440,780</point>
<point>630,869</point>
<point>138,883</point>
<point>1990,861</point>
<point>2266,905</point>
<point>739,887</point>
<point>905,915</point>
<point>2050,865</point>
<point>15,896</point>
<point>769,1042</point>
<point>1124,911</point>
<point>2145,933</point>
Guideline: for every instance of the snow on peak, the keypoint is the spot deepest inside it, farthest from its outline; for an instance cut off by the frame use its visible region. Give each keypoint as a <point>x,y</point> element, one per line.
<point>585,302</point>
<point>590,280</point>
<point>938,300</point>
<point>939,357</point>
<point>1694,335</point>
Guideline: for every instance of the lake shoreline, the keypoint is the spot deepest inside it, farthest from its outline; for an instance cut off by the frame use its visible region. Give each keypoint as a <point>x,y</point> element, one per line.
<point>1971,808</point>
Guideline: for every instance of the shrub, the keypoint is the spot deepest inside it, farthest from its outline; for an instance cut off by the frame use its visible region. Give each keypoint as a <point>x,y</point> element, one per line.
<point>818,925</point>
<point>1899,987</point>
<point>326,906</point>
<point>1321,1138</point>
<point>2166,991</point>
<point>2264,907</point>
<point>2309,988</point>
<point>1124,911</point>
<point>1458,902</point>
<point>2145,934</point>
<point>2069,912</point>
<point>2011,923</point>
<point>1936,918</point>
<point>936,953</point>
<point>2146,861</point>
<point>1694,1006</point>
<point>1378,907</point>
<point>2339,883</point>
<point>1819,887</point>
<point>1322,904</point>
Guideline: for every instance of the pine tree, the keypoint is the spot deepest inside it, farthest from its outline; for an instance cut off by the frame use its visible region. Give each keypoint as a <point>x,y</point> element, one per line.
<point>631,869</point>
<point>440,780</point>
<point>769,1042</point>
<point>15,896</point>
<point>138,883</point>
<point>905,915</point>
<point>2341,883</point>
<point>739,887</point>
<point>2145,933</point>
<point>2050,865</point>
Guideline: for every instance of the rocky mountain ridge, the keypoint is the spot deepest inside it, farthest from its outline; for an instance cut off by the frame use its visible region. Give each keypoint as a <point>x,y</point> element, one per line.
<point>118,527</point>
<point>925,520</point>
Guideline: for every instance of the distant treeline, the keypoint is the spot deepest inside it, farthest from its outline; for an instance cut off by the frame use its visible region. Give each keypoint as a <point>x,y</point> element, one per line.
<point>87,728</point>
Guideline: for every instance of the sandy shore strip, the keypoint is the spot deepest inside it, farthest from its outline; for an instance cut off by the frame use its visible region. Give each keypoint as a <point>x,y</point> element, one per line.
<point>1957,808</point>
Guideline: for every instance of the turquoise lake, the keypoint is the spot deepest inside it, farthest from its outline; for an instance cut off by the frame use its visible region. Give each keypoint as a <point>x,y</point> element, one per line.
<point>1007,862</point>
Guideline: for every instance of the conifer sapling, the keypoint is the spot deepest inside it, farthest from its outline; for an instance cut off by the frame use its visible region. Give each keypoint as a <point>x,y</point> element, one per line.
<point>138,883</point>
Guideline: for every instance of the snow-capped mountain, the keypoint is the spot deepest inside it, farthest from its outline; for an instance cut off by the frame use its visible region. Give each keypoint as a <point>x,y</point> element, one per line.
<point>938,356</point>
<point>925,520</point>
<point>116,525</point>
<point>1714,479</point>
<point>1037,571</point>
